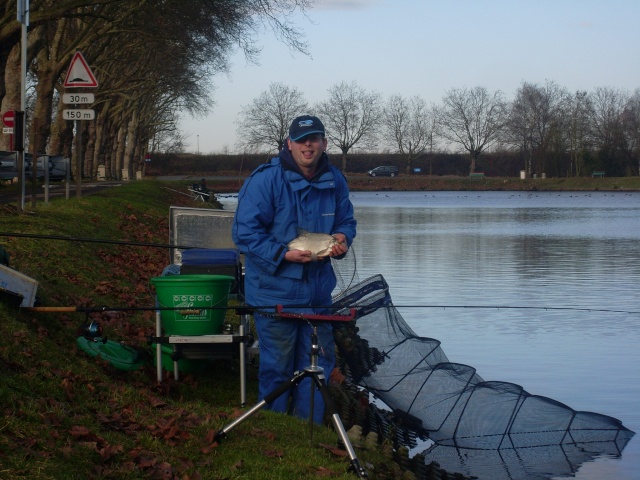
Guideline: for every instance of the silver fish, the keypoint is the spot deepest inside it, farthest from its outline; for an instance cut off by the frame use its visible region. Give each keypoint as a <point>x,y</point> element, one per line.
<point>319,244</point>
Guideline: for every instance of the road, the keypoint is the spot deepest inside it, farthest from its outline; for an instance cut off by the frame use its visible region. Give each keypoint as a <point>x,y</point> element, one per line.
<point>11,194</point>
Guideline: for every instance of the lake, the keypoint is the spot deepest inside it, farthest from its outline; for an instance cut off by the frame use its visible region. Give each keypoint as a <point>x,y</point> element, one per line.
<point>535,288</point>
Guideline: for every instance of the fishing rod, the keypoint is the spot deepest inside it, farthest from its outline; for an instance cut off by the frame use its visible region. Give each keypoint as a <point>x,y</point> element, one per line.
<point>93,240</point>
<point>267,308</point>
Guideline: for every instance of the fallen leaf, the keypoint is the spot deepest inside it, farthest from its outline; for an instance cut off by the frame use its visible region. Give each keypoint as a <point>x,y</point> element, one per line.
<point>273,453</point>
<point>325,472</point>
<point>335,450</point>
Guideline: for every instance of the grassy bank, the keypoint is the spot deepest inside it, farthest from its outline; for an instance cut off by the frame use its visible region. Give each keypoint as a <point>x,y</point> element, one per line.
<point>67,415</point>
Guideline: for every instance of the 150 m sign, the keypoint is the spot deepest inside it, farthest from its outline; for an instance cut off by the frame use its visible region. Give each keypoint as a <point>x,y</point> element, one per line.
<point>79,114</point>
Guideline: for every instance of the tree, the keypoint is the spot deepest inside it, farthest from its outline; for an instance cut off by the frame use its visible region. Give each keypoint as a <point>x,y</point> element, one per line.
<point>351,116</point>
<point>408,126</point>
<point>151,59</point>
<point>265,121</point>
<point>577,131</point>
<point>533,121</point>
<point>631,131</point>
<point>607,111</point>
<point>472,118</point>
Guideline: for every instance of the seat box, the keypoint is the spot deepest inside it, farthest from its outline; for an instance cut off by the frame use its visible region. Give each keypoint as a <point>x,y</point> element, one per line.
<point>214,261</point>
<point>210,256</point>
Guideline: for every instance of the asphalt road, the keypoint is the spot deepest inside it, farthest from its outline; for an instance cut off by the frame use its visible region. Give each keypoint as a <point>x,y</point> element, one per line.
<point>11,194</point>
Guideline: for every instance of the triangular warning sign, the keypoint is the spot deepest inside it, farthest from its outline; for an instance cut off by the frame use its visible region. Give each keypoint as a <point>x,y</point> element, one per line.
<point>79,74</point>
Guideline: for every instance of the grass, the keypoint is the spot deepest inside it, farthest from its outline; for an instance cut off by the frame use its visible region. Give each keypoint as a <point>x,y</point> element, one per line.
<point>67,415</point>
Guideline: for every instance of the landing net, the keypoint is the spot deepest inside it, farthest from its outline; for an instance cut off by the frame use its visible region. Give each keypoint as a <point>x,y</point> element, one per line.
<point>451,404</point>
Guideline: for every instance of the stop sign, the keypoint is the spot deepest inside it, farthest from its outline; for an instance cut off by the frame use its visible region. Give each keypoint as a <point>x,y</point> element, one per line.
<point>8,118</point>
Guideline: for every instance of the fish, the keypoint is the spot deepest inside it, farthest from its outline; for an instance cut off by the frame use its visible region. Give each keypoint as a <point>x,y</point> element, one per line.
<point>319,244</point>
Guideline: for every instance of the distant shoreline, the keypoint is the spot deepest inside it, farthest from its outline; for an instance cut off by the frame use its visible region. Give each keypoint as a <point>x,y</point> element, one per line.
<point>225,182</point>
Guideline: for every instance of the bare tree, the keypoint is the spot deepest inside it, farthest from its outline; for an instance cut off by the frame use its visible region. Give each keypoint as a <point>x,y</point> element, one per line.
<point>265,121</point>
<point>472,118</point>
<point>577,131</point>
<point>351,116</point>
<point>408,126</point>
<point>631,131</point>
<point>607,110</point>
<point>533,121</point>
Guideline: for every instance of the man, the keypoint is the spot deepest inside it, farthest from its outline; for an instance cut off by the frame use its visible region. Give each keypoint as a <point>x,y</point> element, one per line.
<point>298,190</point>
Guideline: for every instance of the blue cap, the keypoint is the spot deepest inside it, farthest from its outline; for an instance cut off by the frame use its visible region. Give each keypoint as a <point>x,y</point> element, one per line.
<point>305,125</point>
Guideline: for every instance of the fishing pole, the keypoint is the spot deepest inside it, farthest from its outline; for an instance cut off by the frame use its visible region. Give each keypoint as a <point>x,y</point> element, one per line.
<point>93,240</point>
<point>267,308</point>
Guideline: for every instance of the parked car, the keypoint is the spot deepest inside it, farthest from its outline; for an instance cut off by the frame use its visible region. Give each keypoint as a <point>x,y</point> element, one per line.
<point>384,171</point>
<point>56,164</point>
<point>7,166</point>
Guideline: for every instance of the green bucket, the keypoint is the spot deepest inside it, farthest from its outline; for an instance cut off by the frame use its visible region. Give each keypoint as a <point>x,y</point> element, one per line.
<point>188,294</point>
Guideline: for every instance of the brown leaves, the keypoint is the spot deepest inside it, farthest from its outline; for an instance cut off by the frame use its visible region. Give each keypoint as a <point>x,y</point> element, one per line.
<point>211,443</point>
<point>273,453</point>
<point>120,421</point>
<point>325,472</point>
<point>338,452</point>
<point>88,439</point>
<point>168,430</point>
<point>154,466</point>
<point>257,432</point>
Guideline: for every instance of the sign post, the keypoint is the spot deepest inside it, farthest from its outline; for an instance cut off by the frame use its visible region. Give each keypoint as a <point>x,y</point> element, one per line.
<point>9,121</point>
<point>79,75</point>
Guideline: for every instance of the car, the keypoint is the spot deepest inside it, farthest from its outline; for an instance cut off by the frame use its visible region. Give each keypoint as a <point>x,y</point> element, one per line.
<point>56,164</point>
<point>383,171</point>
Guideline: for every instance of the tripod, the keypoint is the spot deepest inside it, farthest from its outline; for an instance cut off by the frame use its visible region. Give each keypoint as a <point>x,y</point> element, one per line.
<point>316,373</point>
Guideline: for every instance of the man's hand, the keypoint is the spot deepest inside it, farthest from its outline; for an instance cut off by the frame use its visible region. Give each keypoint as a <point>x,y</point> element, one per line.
<point>298,256</point>
<point>341,248</point>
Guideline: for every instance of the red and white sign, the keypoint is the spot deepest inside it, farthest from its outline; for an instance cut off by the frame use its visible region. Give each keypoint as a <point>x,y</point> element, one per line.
<point>9,119</point>
<point>79,74</point>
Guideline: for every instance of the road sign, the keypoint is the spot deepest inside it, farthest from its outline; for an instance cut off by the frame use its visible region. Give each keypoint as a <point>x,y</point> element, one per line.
<point>9,118</point>
<point>7,129</point>
<point>78,98</point>
<point>79,114</point>
<point>79,74</point>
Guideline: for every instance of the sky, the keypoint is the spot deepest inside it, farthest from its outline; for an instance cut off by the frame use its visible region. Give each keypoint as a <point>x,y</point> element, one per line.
<point>427,47</point>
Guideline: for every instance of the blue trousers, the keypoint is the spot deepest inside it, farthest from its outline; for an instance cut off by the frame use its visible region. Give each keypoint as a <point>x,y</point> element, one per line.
<point>285,347</point>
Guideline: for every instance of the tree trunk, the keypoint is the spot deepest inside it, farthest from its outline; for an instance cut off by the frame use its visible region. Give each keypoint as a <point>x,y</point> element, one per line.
<point>474,157</point>
<point>90,167</point>
<point>11,99</point>
<point>120,147</point>
<point>130,144</point>
<point>409,163</point>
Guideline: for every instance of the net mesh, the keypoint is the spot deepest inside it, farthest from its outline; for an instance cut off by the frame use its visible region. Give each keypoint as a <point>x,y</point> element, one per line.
<point>450,404</point>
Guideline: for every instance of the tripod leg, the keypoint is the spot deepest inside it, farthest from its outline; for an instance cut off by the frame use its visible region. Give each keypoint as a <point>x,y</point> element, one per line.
<point>337,424</point>
<point>268,398</point>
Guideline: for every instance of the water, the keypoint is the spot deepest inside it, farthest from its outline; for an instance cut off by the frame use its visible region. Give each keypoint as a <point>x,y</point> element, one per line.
<point>571,259</point>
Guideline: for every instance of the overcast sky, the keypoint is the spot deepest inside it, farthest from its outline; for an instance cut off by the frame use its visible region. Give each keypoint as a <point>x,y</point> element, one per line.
<point>426,47</point>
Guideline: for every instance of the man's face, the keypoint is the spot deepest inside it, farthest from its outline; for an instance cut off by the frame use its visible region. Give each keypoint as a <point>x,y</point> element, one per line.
<point>307,151</point>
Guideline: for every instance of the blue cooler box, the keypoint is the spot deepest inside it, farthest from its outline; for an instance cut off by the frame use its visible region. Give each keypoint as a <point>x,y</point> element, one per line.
<point>214,261</point>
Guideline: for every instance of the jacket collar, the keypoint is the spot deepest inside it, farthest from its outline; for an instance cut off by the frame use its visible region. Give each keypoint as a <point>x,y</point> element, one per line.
<point>288,163</point>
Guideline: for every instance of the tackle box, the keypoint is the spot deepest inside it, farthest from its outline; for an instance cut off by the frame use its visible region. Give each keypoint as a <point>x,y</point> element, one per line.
<point>15,284</point>
<point>214,261</point>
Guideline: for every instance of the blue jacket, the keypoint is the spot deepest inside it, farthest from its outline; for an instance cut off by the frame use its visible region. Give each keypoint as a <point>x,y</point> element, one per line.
<point>273,204</point>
